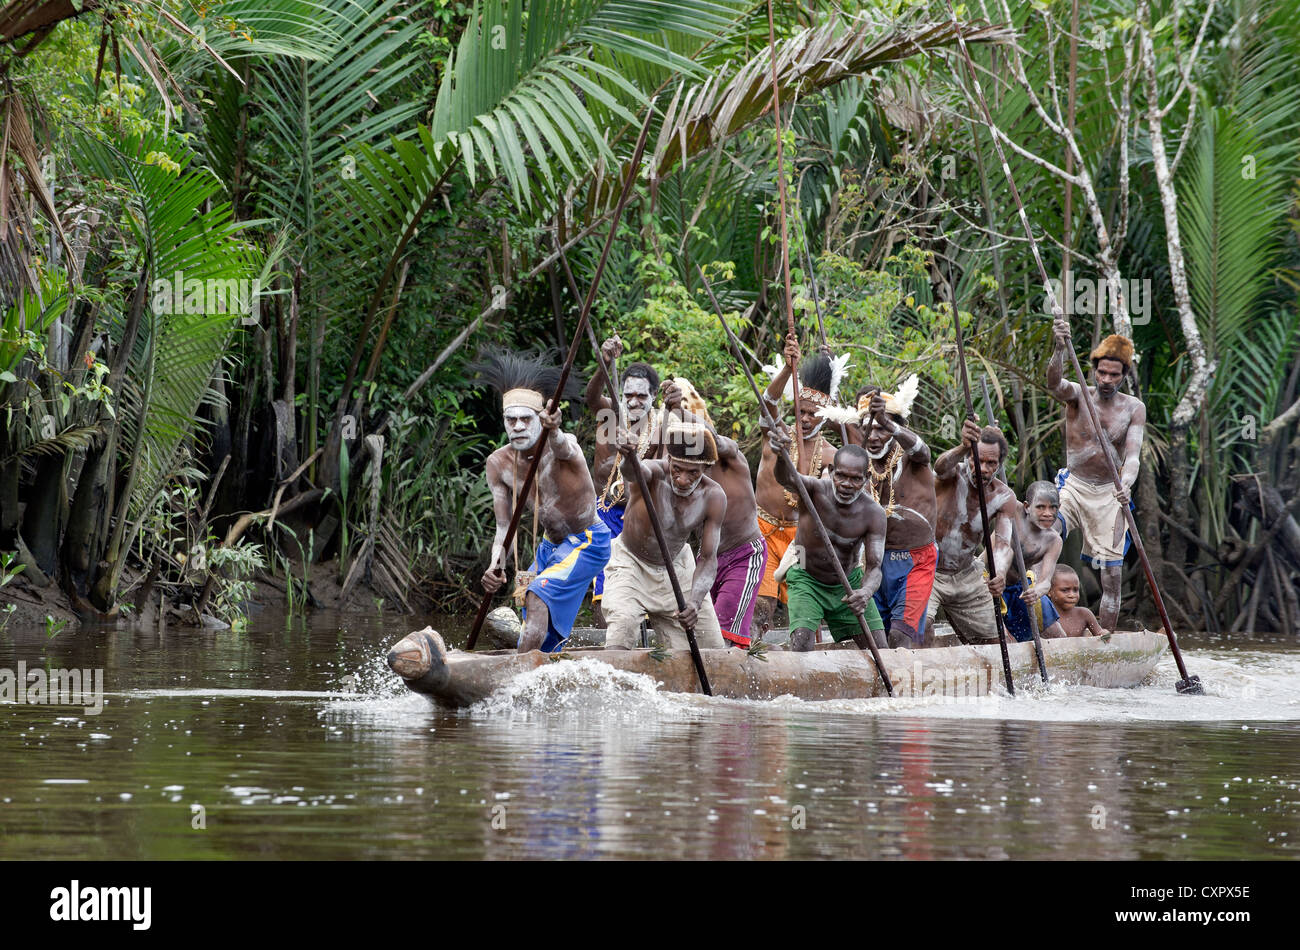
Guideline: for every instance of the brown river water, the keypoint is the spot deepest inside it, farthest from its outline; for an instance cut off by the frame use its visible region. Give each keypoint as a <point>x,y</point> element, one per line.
<point>293,740</point>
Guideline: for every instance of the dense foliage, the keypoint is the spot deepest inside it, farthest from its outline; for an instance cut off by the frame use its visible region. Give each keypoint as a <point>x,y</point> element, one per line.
<point>247,247</point>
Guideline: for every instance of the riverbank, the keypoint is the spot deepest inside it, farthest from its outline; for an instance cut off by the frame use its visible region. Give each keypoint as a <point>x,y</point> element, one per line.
<point>318,588</point>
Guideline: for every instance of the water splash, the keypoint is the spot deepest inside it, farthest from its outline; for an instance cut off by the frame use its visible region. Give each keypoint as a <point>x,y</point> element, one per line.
<point>583,686</point>
<point>1240,685</point>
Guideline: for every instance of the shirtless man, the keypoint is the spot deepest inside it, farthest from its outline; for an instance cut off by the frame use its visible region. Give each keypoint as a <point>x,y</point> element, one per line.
<point>640,382</point>
<point>1040,546</point>
<point>1075,621</point>
<point>686,500</point>
<point>854,523</point>
<point>778,507</point>
<point>1089,500</point>
<point>576,544</point>
<point>959,587</point>
<point>902,482</point>
<point>742,553</point>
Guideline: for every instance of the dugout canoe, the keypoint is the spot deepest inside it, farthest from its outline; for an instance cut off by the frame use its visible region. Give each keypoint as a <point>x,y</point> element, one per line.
<point>455,679</point>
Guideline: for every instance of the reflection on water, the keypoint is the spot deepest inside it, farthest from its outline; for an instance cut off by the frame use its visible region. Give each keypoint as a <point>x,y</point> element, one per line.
<point>286,742</point>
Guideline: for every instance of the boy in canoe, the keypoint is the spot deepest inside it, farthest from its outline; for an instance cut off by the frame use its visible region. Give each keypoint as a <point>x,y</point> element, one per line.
<point>853,522</point>
<point>1040,546</point>
<point>686,501</point>
<point>1075,621</point>
<point>575,543</point>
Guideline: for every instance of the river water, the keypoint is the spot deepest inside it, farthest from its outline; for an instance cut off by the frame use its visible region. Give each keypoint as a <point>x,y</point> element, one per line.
<point>295,741</point>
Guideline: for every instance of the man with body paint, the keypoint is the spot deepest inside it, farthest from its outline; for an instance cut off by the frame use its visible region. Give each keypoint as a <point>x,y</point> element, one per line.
<point>961,586</point>
<point>575,544</point>
<point>1090,502</point>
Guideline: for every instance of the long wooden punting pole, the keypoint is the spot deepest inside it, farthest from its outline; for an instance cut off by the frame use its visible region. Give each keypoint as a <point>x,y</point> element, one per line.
<point>1188,684</point>
<point>655,524</point>
<point>1019,554</point>
<point>979,490</point>
<point>864,640</point>
<point>628,184</point>
<point>785,237</point>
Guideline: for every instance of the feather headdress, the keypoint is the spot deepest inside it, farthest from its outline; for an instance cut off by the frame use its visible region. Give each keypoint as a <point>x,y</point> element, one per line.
<point>819,377</point>
<point>896,403</point>
<point>526,378</point>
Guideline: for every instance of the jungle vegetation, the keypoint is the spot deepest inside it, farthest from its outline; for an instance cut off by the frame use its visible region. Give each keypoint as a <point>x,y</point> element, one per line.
<point>247,248</point>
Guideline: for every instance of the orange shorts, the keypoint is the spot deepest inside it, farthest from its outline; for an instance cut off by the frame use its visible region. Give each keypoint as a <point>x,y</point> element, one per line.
<point>777,538</point>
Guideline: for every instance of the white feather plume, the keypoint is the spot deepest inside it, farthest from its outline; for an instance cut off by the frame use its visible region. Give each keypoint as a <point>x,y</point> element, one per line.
<point>839,365</point>
<point>773,370</point>
<point>839,415</point>
<point>906,395</point>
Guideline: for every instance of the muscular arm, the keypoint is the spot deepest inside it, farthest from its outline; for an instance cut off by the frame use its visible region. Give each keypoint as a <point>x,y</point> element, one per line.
<point>706,565</point>
<point>788,478</point>
<point>596,398</point>
<point>874,554</point>
<point>503,509</point>
<point>917,452</point>
<point>630,463</point>
<point>1061,388</point>
<point>1003,555</point>
<point>564,448</point>
<point>945,466</point>
<point>1133,447</point>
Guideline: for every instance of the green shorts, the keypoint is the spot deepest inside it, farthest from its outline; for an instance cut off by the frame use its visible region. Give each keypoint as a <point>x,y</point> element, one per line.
<point>812,603</point>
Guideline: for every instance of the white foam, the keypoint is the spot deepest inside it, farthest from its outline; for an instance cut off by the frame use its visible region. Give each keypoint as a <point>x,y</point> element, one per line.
<point>582,685</point>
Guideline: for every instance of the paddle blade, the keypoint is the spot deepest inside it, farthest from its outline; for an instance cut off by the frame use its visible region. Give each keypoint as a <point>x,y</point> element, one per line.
<point>1190,686</point>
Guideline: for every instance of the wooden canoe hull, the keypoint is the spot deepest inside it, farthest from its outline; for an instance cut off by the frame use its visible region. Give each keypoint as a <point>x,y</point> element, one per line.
<point>455,679</point>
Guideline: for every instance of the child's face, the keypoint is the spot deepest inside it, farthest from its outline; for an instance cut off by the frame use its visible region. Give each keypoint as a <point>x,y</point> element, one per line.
<point>1065,591</point>
<point>1042,511</point>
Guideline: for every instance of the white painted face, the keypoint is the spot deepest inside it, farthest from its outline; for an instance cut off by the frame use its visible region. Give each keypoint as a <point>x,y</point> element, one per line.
<point>637,397</point>
<point>523,427</point>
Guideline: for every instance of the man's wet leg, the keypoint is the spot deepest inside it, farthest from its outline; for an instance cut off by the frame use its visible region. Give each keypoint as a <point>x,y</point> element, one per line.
<point>538,622</point>
<point>802,640</point>
<point>1108,613</point>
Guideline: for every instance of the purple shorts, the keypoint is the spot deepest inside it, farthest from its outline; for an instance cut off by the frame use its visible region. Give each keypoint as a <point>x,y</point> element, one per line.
<point>735,589</point>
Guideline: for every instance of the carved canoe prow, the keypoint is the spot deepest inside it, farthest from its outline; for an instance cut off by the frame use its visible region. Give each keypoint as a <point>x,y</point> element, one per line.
<point>456,679</point>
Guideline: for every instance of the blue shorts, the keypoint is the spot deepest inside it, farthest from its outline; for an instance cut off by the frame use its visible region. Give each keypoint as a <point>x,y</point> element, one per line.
<point>1017,617</point>
<point>613,518</point>
<point>564,572</point>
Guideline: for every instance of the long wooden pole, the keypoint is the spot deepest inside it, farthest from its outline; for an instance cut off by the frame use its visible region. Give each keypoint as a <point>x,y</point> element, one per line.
<point>1188,684</point>
<point>1019,555</point>
<point>628,185</point>
<point>696,657</point>
<point>979,489</point>
<point>785,237</point>
<point>865,639</point>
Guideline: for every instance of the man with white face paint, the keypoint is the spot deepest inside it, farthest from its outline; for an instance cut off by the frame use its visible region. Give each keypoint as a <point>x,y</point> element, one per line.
<point>853,522</point>
<point>899,477</point>
<point>574,543</point>
<point>686,501</point>
<point>640,384</point>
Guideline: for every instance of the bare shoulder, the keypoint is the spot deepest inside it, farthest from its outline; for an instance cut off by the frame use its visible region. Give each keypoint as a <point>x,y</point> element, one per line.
<point>496,462</point>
